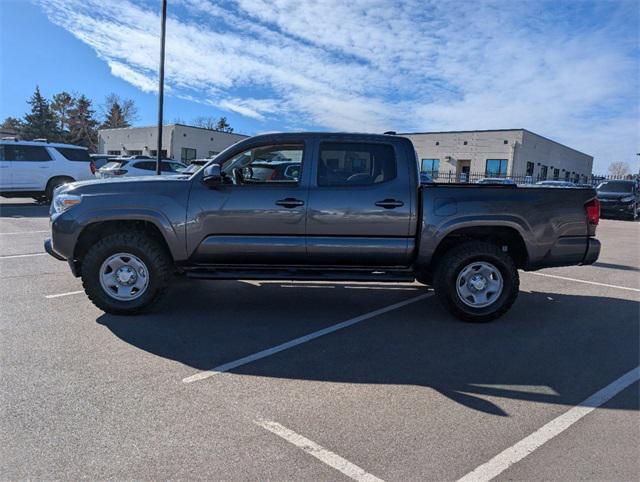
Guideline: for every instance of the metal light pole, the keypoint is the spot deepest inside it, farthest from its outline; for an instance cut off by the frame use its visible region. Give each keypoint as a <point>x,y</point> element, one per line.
<point>161,84</point>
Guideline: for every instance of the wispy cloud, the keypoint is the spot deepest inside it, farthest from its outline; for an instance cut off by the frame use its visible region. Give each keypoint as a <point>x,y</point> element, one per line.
<point>566,70</point>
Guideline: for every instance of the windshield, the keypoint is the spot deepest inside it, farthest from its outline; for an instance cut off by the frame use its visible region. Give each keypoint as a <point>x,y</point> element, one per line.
<point>616,186</point>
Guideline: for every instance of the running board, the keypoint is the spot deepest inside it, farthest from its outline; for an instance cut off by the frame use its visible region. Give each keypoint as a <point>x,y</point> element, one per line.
<point>306,274</point>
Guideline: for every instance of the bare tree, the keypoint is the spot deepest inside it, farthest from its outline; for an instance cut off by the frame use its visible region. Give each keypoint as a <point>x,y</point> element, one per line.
<point>118,112</point>
<point>205,122</point>
<point>208,122</point>
<point>619,169</point>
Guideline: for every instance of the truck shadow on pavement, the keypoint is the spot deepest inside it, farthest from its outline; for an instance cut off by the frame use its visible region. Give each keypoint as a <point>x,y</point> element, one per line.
<point>24,210</point>
<point>550,348</point>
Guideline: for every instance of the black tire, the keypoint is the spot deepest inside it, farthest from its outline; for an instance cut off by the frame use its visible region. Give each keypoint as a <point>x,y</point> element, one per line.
<point>53,184</point>
<point>148,250</point>
<point>452,264</point>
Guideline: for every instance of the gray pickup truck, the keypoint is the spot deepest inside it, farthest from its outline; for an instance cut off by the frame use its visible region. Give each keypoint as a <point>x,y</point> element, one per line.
<point>317,206</point>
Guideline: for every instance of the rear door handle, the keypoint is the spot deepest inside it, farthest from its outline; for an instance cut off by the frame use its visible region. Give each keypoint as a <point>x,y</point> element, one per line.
<point>290,202</point>
<point>390,203</point>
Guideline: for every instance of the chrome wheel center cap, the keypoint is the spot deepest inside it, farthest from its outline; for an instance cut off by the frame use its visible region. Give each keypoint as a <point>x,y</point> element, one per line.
<point>478,282</point>
<point>126,275</point>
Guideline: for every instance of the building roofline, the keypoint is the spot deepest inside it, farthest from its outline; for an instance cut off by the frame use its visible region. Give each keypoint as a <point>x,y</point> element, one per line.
<point>497,130</point>
<point>173,125</point>
<point>461,132</point>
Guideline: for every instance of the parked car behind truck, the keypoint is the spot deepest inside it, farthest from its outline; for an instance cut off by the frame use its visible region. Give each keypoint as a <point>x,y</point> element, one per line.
<point>620,198</point>
<point>35,168</point>
<point>356,212</point>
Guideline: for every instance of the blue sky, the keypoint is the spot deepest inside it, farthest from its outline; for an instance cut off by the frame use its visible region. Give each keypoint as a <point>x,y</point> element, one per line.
<point>566,70</point>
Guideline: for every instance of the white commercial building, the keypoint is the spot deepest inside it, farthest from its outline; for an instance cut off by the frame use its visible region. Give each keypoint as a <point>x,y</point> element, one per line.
<point>516,153</point>
<point>180,142</point>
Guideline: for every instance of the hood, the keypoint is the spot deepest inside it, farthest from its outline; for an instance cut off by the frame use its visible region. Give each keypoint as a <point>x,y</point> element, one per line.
<point>613,195</point>
<point>122,184</point>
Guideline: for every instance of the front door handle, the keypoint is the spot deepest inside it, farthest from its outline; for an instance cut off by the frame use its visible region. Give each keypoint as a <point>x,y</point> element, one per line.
<point>390,203</point>
<point>290,202</point>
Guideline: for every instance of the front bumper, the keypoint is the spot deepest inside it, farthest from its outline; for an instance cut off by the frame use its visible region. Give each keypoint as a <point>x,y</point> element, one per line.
<point>616,208</point>
<point>48,247</point>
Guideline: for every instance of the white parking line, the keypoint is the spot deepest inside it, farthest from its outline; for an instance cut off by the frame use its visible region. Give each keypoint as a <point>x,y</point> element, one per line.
<point>59,295</point>
<point>319,452</point>
<point>24,232</point>
<point>298,341</point>
<point>524,447</point>
<point>22,255</point>
<point>583,281</point>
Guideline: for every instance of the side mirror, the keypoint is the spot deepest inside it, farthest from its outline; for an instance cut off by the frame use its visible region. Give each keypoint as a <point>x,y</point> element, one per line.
<point>212,175</point>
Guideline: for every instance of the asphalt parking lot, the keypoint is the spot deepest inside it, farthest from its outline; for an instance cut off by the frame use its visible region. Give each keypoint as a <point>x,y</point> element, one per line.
<point>305,381</point>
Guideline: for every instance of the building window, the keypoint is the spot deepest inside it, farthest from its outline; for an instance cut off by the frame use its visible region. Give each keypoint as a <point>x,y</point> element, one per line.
<point>465,143</point>
<point>567,176</point>
<point>114,153</point>
<point>187,154</point>
<point>530,167</point>
<point>213,153</point>
<point>430,167</point>
<point>506,142</point>
<point>437,143</point>
<point>496,167</point>
<point>163,153</point>
<point>556,174</point>
<point>543,172</point>
<point>134,153</point>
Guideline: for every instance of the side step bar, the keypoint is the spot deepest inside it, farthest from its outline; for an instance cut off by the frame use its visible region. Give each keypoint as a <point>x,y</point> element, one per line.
<point>301,274</point>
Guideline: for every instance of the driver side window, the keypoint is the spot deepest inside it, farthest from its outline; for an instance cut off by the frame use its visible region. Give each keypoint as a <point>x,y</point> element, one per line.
<point>281,164</point>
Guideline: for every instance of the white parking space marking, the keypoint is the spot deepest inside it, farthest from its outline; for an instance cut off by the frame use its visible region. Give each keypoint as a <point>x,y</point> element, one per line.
<point>319,452</point>
<point>23,255</point>
<point>60,295</point>
<point>520,450</point>
<point>298,341</point>
<point>583,281</point>
<point>24,232</point>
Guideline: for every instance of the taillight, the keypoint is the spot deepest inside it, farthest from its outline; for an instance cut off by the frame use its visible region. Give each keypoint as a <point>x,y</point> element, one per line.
<point>92,166</point>
<point>593,211</point>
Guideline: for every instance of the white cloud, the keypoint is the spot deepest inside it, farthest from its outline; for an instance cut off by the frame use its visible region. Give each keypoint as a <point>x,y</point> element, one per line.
<point>567,71</point>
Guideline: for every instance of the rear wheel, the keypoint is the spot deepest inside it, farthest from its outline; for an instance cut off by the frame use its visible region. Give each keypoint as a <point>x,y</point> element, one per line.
<point>476,281</point>
<point>53,184</point>
<point>126,273</point>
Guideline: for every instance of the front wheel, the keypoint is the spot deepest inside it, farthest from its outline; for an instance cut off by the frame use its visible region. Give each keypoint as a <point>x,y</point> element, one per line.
<point>126,273</point>
<point>476,281</point>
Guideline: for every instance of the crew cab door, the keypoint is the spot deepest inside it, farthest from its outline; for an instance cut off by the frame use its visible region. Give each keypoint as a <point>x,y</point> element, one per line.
<point>361,203</point>
<point>256,215</point>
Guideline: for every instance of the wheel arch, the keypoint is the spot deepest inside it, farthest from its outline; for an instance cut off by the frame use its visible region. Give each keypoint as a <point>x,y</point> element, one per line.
<point>95,231</point>
<point>506,237</point>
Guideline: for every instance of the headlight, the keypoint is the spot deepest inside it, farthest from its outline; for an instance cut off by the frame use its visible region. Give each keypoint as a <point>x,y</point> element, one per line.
<point>627,199</point>
<point>62,202</point>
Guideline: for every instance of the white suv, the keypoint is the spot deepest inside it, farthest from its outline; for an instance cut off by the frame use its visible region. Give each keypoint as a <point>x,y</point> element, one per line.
<point>36,168</point>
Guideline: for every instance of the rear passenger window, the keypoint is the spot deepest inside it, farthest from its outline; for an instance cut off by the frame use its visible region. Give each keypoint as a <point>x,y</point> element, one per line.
<point>145,165</point>
<point>26,153</point>
<point>359,164</point>
<point>72,154</point>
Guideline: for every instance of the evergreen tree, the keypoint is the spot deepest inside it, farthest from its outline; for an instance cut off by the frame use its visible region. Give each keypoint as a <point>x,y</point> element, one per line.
<point>115,117</point>
<point>82,125</point>
<point>223,125</point>
<point>41,122</point>
<point>61,105</point>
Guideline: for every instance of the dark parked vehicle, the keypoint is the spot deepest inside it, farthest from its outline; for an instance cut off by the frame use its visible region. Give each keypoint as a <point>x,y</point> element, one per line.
<point>619,198</point>
<point>354,211</point>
